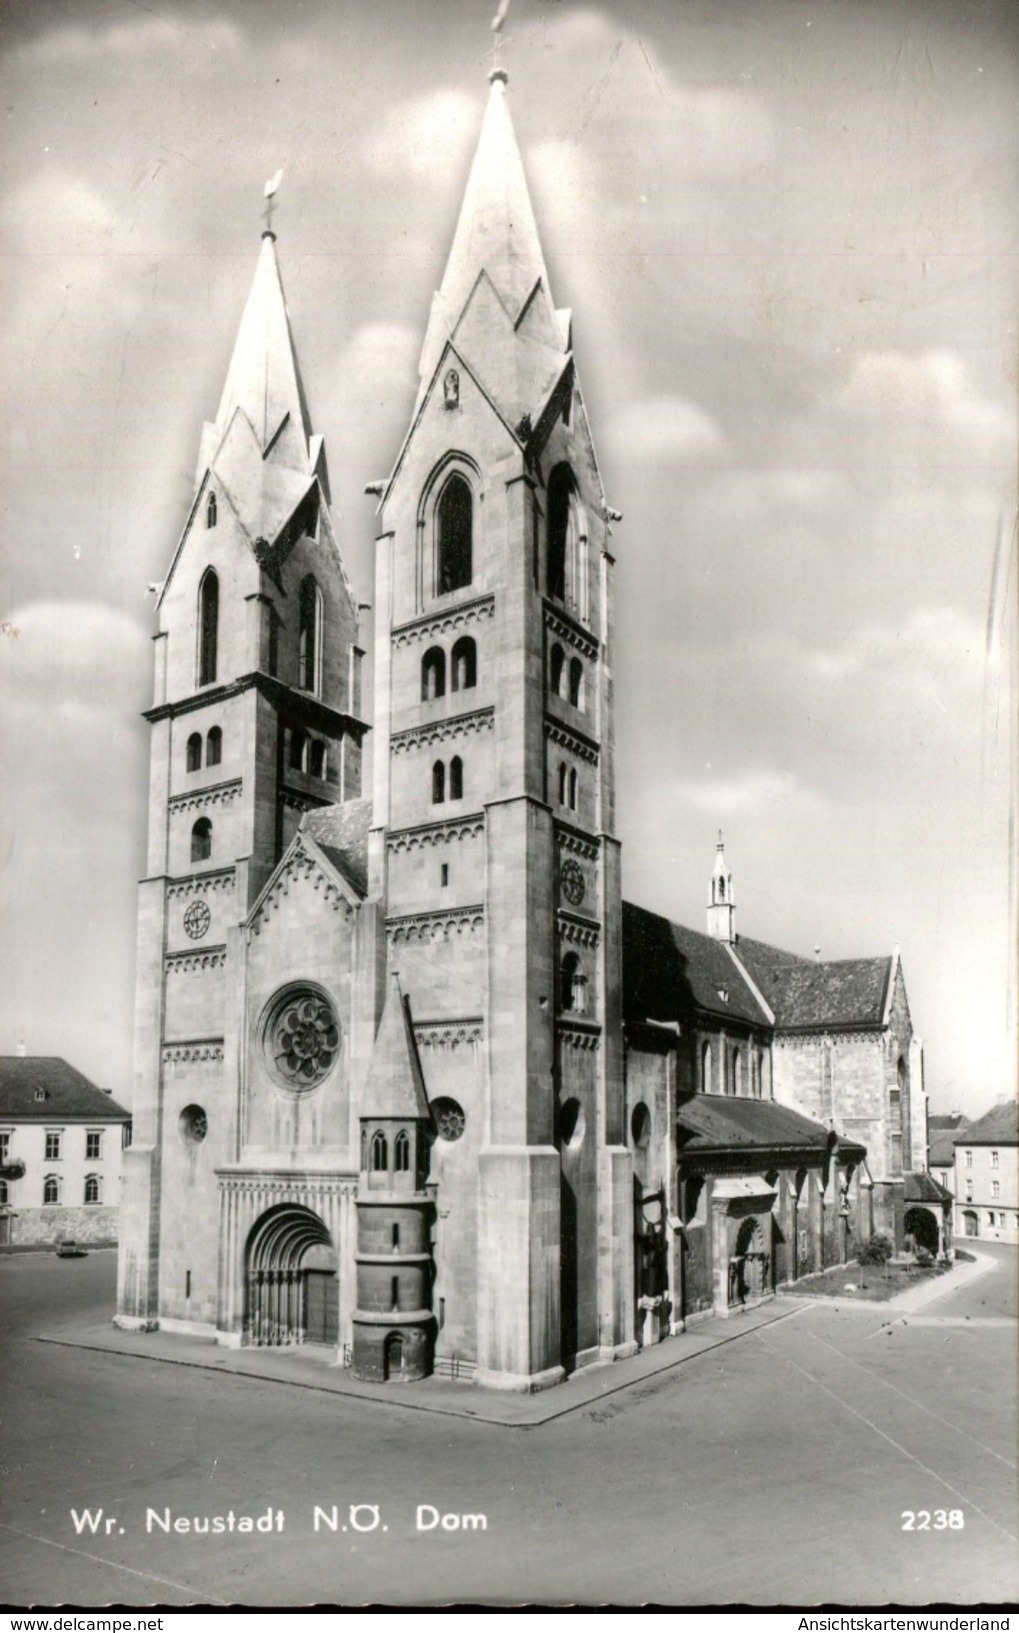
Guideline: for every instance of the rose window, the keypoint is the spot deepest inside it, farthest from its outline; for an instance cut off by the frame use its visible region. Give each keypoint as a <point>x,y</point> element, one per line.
<point>449,1118</point>
<point>302,1038</point>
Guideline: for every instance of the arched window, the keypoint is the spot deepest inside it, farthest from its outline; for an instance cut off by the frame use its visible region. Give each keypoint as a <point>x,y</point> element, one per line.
<point>433,674</point>
<point>210,511</point>
<point>721,890</point>
<point>310,641</point>
<point>50,1190</point>
<point>453,541</point>
<point>573,985</point>
<point>317,763</point>
<point>438,782</point>
<point>201,840</point>
<point>379,1152</point>
<point>464,664</point>
<point>92,1190</point>
<point>571,791</point>
<point>576,683</point>
<point>563,783</point>
<point>4,1193</point>
<point>567,542</point>
<point>364,1149</point>
<point>401,1153</point>
<point>298,748</point>
<point>706,1083</point>
<point>556,665</point>
<point>456,778</point>
<point>208,627</point>
<point>214,746</point>
<point>194,752</point>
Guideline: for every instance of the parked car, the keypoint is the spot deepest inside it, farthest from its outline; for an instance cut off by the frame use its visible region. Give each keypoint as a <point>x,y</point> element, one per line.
<point>69,1249</point>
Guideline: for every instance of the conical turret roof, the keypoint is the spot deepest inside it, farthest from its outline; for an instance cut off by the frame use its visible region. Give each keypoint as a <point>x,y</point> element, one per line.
<point>396,1086</point>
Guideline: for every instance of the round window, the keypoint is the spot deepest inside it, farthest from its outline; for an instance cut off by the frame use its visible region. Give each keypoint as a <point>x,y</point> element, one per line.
<point>449,1118</point>
<point>300,1037</point>
<point>572,1123</point>
<point>193,1124</point>
<point>640,1126</point>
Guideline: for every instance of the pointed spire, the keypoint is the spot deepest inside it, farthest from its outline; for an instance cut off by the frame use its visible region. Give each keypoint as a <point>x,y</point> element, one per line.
<point>263,379</point>
<point>396,1086</point>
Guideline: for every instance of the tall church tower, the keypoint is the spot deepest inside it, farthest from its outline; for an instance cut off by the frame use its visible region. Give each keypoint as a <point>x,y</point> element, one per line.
<point>255,721</point>
<point>493,846</point>
<point>721,907</point>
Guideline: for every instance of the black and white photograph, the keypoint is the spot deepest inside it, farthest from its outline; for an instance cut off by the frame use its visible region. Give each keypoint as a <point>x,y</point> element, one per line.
<point>508,724</point>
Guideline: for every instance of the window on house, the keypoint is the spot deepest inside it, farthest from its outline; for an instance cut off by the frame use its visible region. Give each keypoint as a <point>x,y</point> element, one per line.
<point>379,1152</point>
<point>994,1159</point>
<point>454,543</point>
<point>318,758</point>
<point>438,782</point>
<point>556,666</point>
<point>93,1190</point>
<point>576,683</point>
<point>310,637</point>
<point>433,674</point>
<point>201,840</point>
<point>210,511</point>
<point>298,748</point>
<point>4,1193</point>
<point>464,664</point>
<point>401,1152</point>
<point>54,1139</point>
<point>456,778</point>
<point>194,752</point>
<point>50,1190</point>
<point>573,985</point>
<point>969,1190</point>
<point>93,1145</point>
<point>969,1159</point>
<point>996,1188</point>
<point>5,1147</point>
<point>214,746</point>
<point>208,628</point>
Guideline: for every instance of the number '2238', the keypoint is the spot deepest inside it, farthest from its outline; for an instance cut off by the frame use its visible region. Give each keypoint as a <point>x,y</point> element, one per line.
<point>938,1519</point>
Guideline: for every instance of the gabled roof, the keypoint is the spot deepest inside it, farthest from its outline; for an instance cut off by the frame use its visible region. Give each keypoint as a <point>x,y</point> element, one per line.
<point>669,972</point>
<point>807,993</point>
<point>941,1146</point>
<point>712,1122</point>
<point>341,833</point>
<point>999,1126</point>
<point>924,1188</point>
<point>67,1094</point>
<point>396,1085</point>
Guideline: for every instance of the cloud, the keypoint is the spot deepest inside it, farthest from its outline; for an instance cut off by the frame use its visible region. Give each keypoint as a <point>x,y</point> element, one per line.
<point>426,136</point>
<point>922,387</point>
<point>59,655</point>
<point>745,793</point>
<point>664,428</point>
<point>935,649</point>
<point>127,42</point>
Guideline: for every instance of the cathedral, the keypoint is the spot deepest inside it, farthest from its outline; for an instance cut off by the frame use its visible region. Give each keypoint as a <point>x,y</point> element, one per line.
<point>412,1082</point>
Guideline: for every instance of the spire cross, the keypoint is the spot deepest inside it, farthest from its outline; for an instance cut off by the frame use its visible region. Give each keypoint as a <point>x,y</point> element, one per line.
<point>271,189</point>
<point>497,22</point>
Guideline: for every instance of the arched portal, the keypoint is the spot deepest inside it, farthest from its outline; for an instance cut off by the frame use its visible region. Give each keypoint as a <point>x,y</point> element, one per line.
<point>749,1265</point>
<point>921,1224</point>
<point>392,1357</point>
<point>291,1291</point>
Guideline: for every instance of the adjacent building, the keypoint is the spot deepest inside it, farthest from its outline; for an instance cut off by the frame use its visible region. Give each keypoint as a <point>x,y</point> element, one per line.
<point>61,1140</point>
<point>987,1175</point>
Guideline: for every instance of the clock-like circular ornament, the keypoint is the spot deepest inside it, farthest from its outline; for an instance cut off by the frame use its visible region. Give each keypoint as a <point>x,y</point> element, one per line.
<point>571,879</point>
<point>197,920</point>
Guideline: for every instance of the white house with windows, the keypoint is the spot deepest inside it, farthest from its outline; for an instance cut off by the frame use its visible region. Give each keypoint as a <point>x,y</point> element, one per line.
<point>987,1175</point>
<point>61,1140</point>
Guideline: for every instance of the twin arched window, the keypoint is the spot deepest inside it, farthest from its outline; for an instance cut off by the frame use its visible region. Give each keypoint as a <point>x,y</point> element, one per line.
<point>454,528</point>
<point>401,1153</point>
<point>201,840</point>
<point>568,787</point>
<point>456,780</point>
<point>566,680</point>
<point>213,749</point>
<point>208,627</point>
<point>463,669</point>
<point>310,637</point>
<point>194,752</point>
<point>379,1152</point>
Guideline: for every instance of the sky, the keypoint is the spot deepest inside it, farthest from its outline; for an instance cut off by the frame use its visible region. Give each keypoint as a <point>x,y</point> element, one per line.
<point>788,233</point>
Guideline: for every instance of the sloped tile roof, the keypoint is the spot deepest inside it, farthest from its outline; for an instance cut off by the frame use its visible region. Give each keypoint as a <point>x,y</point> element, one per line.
<point>806,993</point>
<point>670,971</point>
<point>69,1095</point>
<point>709,1122</point>
<point>341,832</point>
<point>999,1126</point>
<point>941,1147</point>
<point>924,1188</point>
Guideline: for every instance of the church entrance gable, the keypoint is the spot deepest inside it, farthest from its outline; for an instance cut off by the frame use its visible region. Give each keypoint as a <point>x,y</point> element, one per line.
<point>291,1290</point>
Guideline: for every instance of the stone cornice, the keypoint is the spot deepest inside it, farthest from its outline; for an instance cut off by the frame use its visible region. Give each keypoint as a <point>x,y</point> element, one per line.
<point>297,800</point>
<point>309,710</point>
<point>576,929</point>
<point>442,731</point>
<point>436,833</point>
<point>444,622</point>
<point>585,748</point>
<point>201,884</point>
<point>578,844</point>
<point>207,958</point>
<point>287,1187</point>
<point>216,793</point>
<point>451,1033</point>
<point>563,624</point>
<point>440,925</point>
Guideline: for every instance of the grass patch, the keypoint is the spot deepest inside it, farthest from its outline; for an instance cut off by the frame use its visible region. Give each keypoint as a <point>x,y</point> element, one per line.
<point>872,1281</point>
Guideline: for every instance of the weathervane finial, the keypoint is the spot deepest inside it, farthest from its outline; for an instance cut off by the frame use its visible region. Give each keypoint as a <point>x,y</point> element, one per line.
<point>271,188</point>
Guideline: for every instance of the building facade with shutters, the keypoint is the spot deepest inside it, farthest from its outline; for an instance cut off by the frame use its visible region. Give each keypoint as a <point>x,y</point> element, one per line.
<point>396,1091</point>
<point>987,1175</point>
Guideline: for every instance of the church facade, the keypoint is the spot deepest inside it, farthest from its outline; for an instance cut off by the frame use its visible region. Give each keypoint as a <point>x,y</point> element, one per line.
<point>411,1081</point>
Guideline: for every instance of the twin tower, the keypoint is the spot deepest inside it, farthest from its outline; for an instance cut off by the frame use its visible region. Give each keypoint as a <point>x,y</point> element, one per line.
<point>379,1076</point>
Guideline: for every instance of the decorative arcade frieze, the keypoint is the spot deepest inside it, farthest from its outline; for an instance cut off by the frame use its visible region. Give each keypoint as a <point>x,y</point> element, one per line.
<point>434,834</point>
<point>465,1031</point>
<point>578,931</point>
<point>202,884</point>
<point>444,623</point>
<point>441,925</point>
<point>576,1034</point>
<point>574,741</point>
<point>456,726</point>
<point>567,630</point>
<point>203,799</point>
<point>190,1050</point>
<point>209,958</point>
<point>574,843</point>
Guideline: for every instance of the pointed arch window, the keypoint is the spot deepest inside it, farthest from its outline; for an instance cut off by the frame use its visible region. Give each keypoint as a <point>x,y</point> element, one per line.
<point>210,511</point>
<point>454,545</point>
<point>310,637</point>
<point>379,1152</point>
<point>194,752</point>
<point>401,1153</point>
<point>576,683</point>
<point>214,746</point>
<point>464,664</point>
<point>456,778</point>
<point>438,782</point>
<point>201,840</point>
<point>208,627</point>
<point>567,542</point>
<point>433,674</point>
